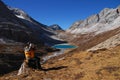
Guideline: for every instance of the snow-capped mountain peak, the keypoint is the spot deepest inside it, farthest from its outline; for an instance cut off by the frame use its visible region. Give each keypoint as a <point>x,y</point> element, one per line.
<point>55,27</point>
<point>19,13</point>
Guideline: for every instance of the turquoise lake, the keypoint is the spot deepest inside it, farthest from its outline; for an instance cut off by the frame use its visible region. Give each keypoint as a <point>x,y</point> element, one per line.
<point>64,46</point>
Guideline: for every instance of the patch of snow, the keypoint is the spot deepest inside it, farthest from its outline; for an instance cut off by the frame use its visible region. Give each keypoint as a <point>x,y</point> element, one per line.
<point>20,16</point>
<point>2,41</point>
<point>55,37</point>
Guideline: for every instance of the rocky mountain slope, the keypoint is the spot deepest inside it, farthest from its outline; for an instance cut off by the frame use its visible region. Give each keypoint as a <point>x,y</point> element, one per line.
<point>99,34</point>
<point>44,32</point>
<point>17,28</point>
<point>15,22</point>
<point>107,19</point>
<point>109,43</point>
<point>94,30</point>
<point>11,27</point>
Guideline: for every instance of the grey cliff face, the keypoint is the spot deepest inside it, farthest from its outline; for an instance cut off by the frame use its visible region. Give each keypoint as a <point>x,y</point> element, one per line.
<point>93,19</point>
<point>107,17</point>
<point>76,24</point>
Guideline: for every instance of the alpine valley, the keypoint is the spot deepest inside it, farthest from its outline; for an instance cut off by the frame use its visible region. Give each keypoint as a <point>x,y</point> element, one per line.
<point>97,56</point>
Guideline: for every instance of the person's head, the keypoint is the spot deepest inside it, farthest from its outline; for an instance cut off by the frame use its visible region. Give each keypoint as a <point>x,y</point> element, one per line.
<point>31,45</point>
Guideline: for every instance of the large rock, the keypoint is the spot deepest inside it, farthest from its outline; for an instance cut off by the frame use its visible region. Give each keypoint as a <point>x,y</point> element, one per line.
<point>118,10</point>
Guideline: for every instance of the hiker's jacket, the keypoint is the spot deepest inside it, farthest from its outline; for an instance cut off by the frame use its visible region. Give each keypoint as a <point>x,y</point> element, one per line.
<point>29,53</point>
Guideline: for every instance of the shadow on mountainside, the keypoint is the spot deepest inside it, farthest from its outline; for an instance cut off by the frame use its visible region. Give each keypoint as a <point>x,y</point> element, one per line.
<point>10,62</point>
<point>55,68</point>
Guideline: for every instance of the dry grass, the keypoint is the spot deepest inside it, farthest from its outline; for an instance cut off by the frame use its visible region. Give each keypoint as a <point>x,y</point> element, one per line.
<point>99,65</point>
<point>87,41</point>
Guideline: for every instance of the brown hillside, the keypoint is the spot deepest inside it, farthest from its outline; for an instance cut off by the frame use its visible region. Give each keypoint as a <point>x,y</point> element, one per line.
<point>87,41</point>
<point>97,65</point>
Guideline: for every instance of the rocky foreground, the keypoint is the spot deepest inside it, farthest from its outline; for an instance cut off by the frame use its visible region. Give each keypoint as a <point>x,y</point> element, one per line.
<point>102,64</point>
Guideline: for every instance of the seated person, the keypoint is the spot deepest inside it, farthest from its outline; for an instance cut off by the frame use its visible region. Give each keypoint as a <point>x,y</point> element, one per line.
<point>31,60</point>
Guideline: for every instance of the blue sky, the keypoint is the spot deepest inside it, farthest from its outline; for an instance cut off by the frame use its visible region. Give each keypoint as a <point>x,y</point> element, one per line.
<point>61,12</point>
